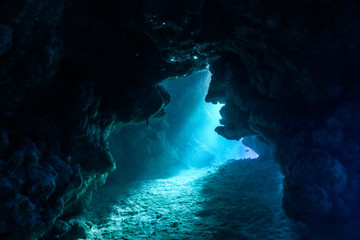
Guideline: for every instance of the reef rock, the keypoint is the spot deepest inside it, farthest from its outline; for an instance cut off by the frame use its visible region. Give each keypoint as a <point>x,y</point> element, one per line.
<point>71,70</point>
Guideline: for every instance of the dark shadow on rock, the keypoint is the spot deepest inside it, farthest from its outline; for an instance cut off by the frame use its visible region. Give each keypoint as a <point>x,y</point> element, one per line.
<point>244,196</point>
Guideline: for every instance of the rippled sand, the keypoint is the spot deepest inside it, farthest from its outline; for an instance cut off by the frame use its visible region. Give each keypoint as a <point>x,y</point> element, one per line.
<point>240,199</point>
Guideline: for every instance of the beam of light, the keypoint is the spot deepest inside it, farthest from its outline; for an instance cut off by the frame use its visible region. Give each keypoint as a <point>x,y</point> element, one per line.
<point>202,142</point>
<point>184,137</point>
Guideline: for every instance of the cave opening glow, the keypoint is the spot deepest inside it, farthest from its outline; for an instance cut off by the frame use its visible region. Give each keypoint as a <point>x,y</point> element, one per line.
<point>174,174</point>
<point>183,138</point>
<point>202,118</point>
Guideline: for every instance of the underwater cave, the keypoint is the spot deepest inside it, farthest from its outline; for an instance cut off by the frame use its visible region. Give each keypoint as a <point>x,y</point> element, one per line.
<point>193,119</point>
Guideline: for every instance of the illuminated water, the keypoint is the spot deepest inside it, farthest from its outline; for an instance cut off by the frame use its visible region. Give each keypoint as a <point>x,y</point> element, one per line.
<point>184,137</point>
<point>215,198</point>
<point>197,127</point>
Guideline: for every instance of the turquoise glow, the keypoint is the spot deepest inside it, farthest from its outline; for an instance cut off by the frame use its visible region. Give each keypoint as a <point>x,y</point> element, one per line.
<point>183,138</point>
<point>198,129</point>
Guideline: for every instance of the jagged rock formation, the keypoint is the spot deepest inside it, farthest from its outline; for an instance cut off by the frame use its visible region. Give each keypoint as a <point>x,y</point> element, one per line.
<point>72,69</point>
<point>64,86</point>
<point>291,79</point>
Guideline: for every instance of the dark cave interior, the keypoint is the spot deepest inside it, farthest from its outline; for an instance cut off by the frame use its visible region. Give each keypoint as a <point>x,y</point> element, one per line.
<point>73,71</point>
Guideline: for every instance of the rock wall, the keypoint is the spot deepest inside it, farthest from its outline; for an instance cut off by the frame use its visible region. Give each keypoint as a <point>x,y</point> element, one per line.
<point>66,81</point>
<point>72,69</point>
<point>291,78</point>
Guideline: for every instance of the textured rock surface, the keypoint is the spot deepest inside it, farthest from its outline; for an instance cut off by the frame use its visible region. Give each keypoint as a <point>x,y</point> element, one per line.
<point>290,79</point>
<point>71,70</point>
<point>66,81</point>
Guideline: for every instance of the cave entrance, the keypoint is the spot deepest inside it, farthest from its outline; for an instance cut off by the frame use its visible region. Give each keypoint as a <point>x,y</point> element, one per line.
<point>183,138</point>
<point>173,181</point>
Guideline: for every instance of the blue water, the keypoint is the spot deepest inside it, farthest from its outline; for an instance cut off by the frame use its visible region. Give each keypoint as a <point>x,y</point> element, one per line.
<point>195,130</point>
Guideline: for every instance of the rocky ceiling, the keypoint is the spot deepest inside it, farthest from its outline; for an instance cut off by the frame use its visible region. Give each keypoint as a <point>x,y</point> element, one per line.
<point>71,70</point>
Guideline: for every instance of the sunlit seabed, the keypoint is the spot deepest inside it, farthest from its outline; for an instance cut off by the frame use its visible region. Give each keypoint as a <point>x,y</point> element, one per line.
<point>235,200</point>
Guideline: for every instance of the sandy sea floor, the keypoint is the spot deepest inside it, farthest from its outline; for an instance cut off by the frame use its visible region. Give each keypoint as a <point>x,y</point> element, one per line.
<point>240,199</point>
